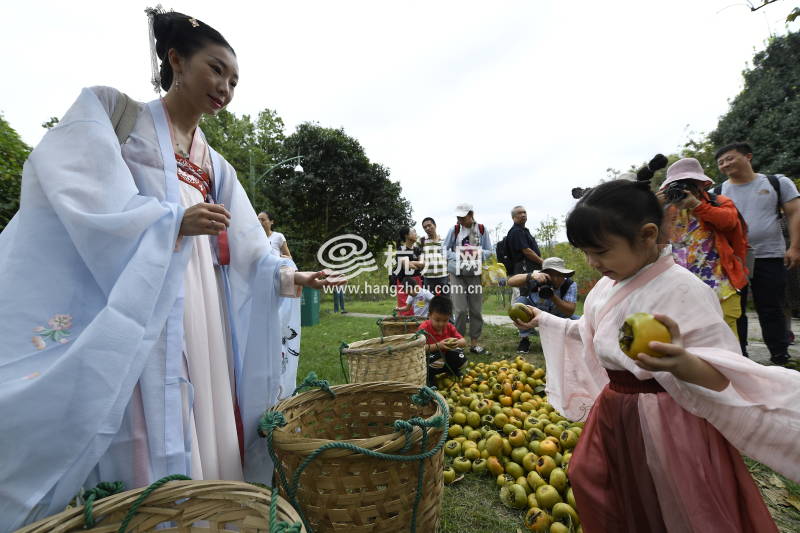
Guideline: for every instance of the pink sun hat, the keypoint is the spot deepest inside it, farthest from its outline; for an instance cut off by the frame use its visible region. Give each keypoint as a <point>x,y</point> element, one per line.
<point>687,168</point>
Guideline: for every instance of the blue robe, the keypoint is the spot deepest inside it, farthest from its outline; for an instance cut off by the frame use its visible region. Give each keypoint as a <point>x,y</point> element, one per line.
<point>92,305</point>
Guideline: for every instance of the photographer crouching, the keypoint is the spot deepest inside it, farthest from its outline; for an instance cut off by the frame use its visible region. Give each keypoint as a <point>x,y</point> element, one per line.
<point>550,289</point>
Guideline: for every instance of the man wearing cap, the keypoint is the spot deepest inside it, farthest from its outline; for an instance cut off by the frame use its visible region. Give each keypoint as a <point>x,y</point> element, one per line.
<point>551,289</point>
<point>707,235</point>
<point>467,246</point>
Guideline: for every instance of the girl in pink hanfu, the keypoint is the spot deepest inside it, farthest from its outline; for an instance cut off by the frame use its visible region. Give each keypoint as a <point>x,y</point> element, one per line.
<point>658,452</point>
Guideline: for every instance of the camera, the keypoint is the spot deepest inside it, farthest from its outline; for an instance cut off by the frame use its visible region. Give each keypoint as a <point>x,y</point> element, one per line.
<point>545,291</point>
<point>676,192</point>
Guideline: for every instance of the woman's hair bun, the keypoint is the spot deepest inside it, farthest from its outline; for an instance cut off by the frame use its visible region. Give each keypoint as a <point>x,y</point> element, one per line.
<point>163,30</point>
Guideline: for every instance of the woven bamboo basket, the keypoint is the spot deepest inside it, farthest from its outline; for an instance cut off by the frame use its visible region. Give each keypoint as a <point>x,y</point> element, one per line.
<point>178,506</point>
<point>394,358</point>
<point>344,490</point>
<point>399,325</point>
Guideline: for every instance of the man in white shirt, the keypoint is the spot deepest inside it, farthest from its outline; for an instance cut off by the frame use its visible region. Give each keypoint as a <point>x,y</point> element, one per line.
<point>276,238</point>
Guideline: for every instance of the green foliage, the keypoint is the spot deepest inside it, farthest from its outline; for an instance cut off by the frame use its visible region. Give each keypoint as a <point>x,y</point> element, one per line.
<point>251,147</point>
<point>767,111</point>
<point>50,123</point>
<point>340,192</point>
<point>702,149</point>
<point>13,153</point>
<point>546,233</point>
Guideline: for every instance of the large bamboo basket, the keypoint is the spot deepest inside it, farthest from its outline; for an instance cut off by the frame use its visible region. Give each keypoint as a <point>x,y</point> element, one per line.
<point>399,325</point>
<point>394,358</point>
<point>224,506</point>
<point>344,490</point>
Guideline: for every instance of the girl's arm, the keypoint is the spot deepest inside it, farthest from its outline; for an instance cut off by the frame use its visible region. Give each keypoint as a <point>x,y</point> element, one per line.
<point>680,363</point>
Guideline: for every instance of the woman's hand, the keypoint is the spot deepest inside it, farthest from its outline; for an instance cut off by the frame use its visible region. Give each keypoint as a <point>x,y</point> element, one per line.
<point>205,219</point>
<point>318,280</point>
<point>689,201</point>
<point>534,322</point>
<point>680,363</point>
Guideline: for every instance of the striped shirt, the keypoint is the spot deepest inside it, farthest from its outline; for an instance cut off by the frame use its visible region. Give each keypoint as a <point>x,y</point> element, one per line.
<point>434,258</point>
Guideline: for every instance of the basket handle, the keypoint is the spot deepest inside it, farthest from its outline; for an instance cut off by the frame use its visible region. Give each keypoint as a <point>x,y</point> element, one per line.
<point>273,419</point>
<point>311,381</point>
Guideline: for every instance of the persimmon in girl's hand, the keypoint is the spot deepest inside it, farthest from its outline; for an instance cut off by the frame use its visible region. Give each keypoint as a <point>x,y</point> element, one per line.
<point>680,363</point>
<point>533,322</point>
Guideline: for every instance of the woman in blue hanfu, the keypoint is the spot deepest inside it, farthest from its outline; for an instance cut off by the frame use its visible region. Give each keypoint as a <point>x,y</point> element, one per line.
<point>139,312</point>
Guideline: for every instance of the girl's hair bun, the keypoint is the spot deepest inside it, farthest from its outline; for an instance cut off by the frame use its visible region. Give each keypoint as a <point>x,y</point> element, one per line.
<point>646,173</point>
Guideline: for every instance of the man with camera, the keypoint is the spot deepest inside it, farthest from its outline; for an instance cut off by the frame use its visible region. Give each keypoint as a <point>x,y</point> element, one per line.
<point>708,236</point>
<point>551,289</point>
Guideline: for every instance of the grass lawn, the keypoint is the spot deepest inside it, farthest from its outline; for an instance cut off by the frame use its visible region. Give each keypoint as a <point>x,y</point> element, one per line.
<point>472,505</point>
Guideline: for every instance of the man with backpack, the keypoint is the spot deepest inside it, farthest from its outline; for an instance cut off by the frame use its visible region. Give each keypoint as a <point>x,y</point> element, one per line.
<point>552,290</point>
<point>467,246</point>
<point>768,204</point>
<point>521,248</point>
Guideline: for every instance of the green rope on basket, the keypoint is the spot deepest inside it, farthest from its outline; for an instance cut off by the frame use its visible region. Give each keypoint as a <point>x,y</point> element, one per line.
<point>274,525</point>
<point>311,381</point>
<point>143,496</point>
<point>102,490</point>
<point>342,348</point>
<point>425,396</point>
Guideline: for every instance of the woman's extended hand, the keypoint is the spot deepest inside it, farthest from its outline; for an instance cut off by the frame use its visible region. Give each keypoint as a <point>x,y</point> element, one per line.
<point>318,280</point>
<point>534,322</point>
<point>205,219</point>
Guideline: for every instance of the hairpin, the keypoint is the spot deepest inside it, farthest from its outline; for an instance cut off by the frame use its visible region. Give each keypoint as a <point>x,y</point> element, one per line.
<point>193,22</point>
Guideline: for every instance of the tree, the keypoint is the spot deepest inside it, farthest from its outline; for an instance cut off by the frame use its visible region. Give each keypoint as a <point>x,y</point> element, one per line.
<point>13,153</point>
<point>251,148</point>
<point>546,233</point>
<point>767,111</point>
<point>341,192</point>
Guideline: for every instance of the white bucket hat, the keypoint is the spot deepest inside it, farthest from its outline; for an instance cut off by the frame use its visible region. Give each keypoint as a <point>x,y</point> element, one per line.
<point>556,264</point>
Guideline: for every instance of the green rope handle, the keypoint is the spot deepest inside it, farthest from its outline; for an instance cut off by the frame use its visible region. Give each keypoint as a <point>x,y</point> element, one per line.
<point>311,381</point>
<point>102,490</point>
<point>282,526</point>
<point>143,496</point>
<point>274,419</point>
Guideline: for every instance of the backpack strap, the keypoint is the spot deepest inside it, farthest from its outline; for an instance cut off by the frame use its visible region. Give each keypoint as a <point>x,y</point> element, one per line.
<point>123,119</point>
<point>773,180</point>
